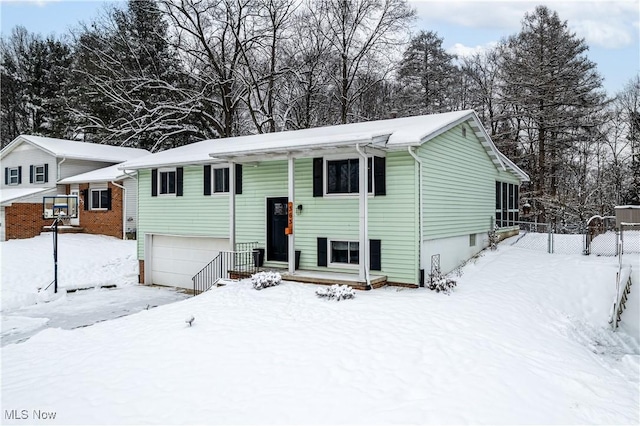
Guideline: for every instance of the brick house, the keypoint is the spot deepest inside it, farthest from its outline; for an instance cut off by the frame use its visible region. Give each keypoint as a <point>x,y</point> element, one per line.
<point>33,167</point>
<point>108,201</point>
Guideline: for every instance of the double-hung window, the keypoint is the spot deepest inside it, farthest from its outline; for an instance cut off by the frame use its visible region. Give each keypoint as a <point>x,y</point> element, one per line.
<point>167,182</point>
<point>345,252</point>
<point>343,176</point>
<point>221,180</point>
<point>13,176</point>
<point>39,174</point>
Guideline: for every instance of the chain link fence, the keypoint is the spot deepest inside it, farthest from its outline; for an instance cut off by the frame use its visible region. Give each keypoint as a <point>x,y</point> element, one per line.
<point>600,240</point>
<point>630,238</point>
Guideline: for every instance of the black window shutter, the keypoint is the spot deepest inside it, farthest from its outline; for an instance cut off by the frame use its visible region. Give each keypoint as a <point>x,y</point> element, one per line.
<point>322,252</point>
<point>207,179</point>
<point>108,199</point>
<point>31,174</point>
<point>154,182</point>
<point>179,174</point>
<point>375,260</point>
<point>380,175</point>
<point>238,178</point>
<point>19,174</point>
<point>317,179</point>
<point>6,176</point>
<point>85,198</point>
<point>46,173</point>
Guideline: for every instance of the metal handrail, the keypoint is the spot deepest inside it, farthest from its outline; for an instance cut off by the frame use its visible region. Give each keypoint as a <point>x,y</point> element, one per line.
<point>223,266</point>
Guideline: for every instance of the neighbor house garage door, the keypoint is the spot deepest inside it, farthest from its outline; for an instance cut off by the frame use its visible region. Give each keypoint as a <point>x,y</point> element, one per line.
<point>175,260</point>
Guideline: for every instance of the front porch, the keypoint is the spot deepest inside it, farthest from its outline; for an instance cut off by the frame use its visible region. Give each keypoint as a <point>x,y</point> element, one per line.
<point>319,277</point>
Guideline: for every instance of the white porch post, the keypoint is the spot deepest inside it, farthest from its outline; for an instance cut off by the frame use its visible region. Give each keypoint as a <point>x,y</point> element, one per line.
<point>232,205</point>
<point>292,193</point>
<point>364,217</point>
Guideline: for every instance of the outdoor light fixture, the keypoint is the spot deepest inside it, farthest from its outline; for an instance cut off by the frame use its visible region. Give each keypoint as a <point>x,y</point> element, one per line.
<point>299,208</point>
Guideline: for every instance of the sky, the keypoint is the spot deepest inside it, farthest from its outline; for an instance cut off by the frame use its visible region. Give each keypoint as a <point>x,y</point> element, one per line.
<point>611,28</point>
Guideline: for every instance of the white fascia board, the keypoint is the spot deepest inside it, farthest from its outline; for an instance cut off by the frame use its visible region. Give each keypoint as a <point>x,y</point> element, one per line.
<point>170,164</point>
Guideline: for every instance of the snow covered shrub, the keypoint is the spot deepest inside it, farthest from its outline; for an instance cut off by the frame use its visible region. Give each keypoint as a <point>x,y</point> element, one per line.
<point>441,283</point>
<point>337,292</point>
<point>493,238</point>
<point>262,280</point>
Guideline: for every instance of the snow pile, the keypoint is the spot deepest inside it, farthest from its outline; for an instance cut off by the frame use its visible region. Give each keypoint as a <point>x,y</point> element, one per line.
<point>84,261</point>
<point>337,292</point>
<point>523,339</point>
<point>266,279</point>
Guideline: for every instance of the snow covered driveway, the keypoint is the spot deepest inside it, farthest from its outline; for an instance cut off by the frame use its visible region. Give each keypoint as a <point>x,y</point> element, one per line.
<point>523,339</point>
<point>85,261</point>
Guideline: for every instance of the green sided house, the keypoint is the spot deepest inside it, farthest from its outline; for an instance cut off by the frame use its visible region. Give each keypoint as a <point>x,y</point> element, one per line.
<point>370,201</point>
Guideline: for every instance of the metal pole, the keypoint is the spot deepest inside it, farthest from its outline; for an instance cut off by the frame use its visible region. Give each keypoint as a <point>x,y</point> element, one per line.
<point>55,256</point>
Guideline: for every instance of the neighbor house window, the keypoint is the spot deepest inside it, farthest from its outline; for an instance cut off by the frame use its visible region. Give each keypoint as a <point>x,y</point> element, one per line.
<point>14,176</point>
<point>39,174</point>
<point>221,180</point>
<point>507,202</point>
<point>167,181</point>
<point>343,176</point>
<point>99,199</point>
<point>347,252</point>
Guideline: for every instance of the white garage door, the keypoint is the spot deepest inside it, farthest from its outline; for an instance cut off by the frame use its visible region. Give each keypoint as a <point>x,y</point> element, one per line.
<point>2,234</point>
<point>175,260</point>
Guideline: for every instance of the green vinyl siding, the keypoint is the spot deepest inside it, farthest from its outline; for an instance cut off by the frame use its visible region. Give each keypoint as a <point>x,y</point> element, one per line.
<point>458,185</point>
<point>392,218</point>
<point>191,214</point>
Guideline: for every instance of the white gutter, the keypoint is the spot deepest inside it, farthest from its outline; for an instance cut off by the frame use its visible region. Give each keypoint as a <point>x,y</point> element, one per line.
<point>364,218</point>
<point>421,211</point>
<point>124,208</point>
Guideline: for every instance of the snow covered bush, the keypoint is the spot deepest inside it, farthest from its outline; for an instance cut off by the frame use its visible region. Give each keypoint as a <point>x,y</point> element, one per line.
<point>493,238</point>
<point>337,292</point>
<point>441,283</point>
<point>262,280</point>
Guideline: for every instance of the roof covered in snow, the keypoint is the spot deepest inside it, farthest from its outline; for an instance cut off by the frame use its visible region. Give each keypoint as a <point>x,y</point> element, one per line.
<point>63,148</point>
<point>8,195</point>
<point>106,174</point>
<point>391,134</point>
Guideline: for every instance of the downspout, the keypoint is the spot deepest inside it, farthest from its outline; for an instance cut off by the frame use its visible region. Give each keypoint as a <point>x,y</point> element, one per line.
<point>412,152</point>
<point>364,221</point>
<point>58,177</point>
<point>124,208</point>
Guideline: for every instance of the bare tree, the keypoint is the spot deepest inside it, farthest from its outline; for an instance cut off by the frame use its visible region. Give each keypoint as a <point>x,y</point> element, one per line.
<point>360,33</point>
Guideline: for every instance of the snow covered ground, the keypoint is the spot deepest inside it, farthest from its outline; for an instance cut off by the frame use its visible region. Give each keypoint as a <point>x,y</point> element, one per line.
<point>523,339</point>
<point>85,261</point>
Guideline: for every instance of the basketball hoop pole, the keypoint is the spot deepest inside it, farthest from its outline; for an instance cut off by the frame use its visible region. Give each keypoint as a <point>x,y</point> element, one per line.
<point>55,255</point>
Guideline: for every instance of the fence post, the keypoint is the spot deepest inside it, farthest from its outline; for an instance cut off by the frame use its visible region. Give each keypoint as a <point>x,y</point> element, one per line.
<point>621,239</point>
<point>550,240</point>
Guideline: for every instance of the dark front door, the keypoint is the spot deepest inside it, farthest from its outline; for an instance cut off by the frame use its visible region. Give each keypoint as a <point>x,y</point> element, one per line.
<point>277,240</point>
